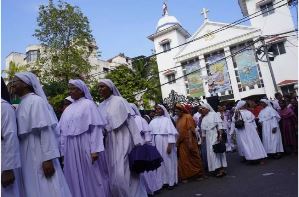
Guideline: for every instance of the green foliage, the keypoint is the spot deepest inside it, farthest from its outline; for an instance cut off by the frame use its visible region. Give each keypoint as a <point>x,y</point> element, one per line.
<point>56,92</point>
<point>144,77</point>
<point>94,91</point>
<point>13,69</point>
<point>124,79</point>
<point>65,33</point>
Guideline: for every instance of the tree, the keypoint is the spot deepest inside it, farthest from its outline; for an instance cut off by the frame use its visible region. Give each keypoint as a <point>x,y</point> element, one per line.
<point>65,35</point>
<point>13,69</point>
<point>146,69</point>
<point>124,79</point>
<point>143,78</point>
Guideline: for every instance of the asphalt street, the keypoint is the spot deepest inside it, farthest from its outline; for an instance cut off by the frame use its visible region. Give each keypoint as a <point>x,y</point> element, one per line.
<point>274,178</point>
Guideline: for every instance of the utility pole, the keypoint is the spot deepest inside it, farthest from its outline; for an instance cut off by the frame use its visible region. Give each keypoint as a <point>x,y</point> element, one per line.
<point>269,63</point>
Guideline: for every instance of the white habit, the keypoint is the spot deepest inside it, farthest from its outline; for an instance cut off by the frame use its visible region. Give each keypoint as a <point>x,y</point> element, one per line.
<point>209,125</point>
<point>121,136</point>
<point>10,150</point>
<point>164,132</point>
<point>248,140</point>
<point>269,118</point>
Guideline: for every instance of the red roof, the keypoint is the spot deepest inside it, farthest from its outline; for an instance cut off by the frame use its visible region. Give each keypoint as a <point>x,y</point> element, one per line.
<point>287,82</point>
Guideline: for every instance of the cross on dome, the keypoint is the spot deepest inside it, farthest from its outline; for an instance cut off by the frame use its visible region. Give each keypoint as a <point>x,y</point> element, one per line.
<point>205,13</point>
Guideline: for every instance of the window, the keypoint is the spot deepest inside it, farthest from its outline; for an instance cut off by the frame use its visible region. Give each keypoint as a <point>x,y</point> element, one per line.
<point>166,46</point>
<point>32,56</point>
<point>278,48</point>
<point>267,9</point>
<point>171,78</point>
<point>106,70</point>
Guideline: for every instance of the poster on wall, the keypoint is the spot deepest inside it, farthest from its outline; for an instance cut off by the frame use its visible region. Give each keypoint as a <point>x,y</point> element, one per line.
<point>195,82</point>
<point>218,76</point>
<point>247,68</point>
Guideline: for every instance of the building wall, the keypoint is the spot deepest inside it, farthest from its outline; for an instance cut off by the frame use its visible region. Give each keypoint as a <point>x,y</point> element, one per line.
<point>16,57</point>
<point>285,66</point>
<point>98,72</point>
<point>166,61</point>
<point>279,21</point>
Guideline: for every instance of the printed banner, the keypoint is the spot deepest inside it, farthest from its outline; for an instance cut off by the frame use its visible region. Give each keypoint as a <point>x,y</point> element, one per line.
<point>247,68</point>
<point>195,82</point>
<point>218,76</point>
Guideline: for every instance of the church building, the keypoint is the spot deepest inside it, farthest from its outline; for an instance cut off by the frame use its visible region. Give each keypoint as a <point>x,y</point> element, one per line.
<point>229,60</point>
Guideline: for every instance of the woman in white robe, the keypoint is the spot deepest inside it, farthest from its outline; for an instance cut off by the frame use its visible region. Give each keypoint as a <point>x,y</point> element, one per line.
<point>82,146</point>
<point>121,135</point>
<point>11,179</point>
<point>269,118</point>
<point>211,127</point>
<point>38,135</point>
<point>149,179</point>
<point>248,140</point>
<point>164,138</point>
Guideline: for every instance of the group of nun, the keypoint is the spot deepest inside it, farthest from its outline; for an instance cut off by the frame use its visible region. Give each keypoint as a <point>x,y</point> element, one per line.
<point>94,142</point>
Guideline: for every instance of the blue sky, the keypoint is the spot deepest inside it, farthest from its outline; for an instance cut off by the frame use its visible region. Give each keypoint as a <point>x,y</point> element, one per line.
<point>119,26</point>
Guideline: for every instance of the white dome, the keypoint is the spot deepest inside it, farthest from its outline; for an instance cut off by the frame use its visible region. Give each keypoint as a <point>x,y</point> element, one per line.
<point>166,21</point>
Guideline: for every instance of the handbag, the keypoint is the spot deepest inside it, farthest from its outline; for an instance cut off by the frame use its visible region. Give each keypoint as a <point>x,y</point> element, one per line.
<point>219,147</point>
<point>239,123</point>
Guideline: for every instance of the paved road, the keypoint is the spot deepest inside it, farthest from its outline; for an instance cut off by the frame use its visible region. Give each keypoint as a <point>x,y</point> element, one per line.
<point>274,178</point>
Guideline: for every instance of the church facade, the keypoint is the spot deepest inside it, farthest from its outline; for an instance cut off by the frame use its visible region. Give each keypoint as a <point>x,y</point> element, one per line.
<point>221,59</point>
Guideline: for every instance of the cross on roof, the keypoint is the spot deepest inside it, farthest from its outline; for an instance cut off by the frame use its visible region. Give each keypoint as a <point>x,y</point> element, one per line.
<point>205,13</point>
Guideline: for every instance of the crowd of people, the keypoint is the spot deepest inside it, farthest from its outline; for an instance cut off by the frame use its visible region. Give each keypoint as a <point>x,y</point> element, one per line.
<point>86,152</point>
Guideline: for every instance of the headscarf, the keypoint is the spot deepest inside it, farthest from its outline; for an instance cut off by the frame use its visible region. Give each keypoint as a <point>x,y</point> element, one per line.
<point>82,86</point>
<point>240,104</point>
<point>69,98</point>
<point>207,106</point>
<point>182,108</point>
<point>266,101</point>
<point>47,118</point>
<point>111,85</point>
<point>4,91</point>
<point>135,109</point>
<point>166,114</point>
<point>31,79</point>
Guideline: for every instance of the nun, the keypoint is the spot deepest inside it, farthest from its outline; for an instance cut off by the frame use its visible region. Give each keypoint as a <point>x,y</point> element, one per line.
<point>121,135</point>
<point>11,180</point>
<point>269,118</point>
<point>164,138</point>
<point>82,146</point>
<point>149,179</point>
<point>38,134</point>
<point>248,140</point>
<point>211,127</point>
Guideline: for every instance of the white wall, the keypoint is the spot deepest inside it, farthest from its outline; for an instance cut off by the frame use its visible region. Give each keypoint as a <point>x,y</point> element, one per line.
<point>16,57</point>
<point>285,66</point>
<point>279,21</point>
<point>166,61</point>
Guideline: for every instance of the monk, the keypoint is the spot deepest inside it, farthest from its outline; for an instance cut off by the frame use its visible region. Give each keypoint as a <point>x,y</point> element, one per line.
<point>189,161</point>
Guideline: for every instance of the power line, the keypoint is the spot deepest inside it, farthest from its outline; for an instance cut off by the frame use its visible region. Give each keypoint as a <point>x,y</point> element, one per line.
<point>197,70</point>
<point>292,43</point>
<point>262,36</point>
<point>244,19</point>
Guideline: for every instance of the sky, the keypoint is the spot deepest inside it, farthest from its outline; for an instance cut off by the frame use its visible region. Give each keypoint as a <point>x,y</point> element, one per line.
<point>118,26</point>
